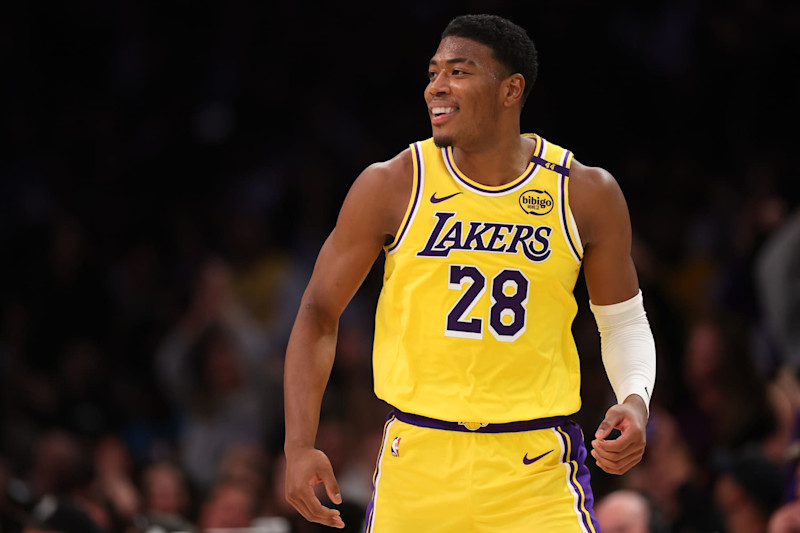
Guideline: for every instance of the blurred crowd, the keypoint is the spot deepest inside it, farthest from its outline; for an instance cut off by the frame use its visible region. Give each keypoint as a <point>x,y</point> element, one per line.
<point>169,171</point>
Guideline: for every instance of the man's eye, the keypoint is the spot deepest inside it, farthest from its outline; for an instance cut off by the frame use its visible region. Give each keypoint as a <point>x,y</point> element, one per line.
<point>457,72</point>
<point>431,75</point>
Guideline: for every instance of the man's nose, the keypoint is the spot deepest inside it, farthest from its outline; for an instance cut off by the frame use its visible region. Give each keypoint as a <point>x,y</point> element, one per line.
<point>439,85</point>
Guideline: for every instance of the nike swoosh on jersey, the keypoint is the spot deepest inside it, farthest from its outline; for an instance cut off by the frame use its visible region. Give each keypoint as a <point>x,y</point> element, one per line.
<point>527,461</point>
<point>435,200</point>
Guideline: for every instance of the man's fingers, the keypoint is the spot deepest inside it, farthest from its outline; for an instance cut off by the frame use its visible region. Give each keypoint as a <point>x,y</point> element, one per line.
<point>324,515</point>
<point>613,417</point>
<point>620,445</point>
<point>610,446</point>
<point>608,452</point>
<point>603,430</point>
<point>618,466</point>
<point>331,487</point>
<point>616,450</point>
<point>309,470</point>
<point>618,457</point>
<point>312,510</point>
<point>620,454</point>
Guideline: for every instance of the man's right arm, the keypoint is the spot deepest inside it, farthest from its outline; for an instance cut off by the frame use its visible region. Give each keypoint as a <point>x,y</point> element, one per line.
<point>372,210</point>
<point>601,214</point>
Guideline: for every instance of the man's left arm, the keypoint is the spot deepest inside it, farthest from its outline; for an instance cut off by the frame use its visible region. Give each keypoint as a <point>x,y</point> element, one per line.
<point>616,301</point>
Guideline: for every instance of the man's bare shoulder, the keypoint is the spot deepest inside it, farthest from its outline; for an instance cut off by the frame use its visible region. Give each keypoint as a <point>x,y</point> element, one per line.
<point>593,179</point>
<point>594,196</point>
<point>588,185</point>
<point>384,189</point>
<point>396,171</point>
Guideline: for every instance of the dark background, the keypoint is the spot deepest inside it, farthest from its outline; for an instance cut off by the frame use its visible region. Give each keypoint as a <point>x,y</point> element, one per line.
<point>153,149</point>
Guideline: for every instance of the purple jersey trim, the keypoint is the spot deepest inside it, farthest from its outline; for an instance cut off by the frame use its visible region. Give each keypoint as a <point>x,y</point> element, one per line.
<point>418,193</point>
<point>448,158</point>
<point>505,427</point>
<point>564,220</point>
<point>560,169</point>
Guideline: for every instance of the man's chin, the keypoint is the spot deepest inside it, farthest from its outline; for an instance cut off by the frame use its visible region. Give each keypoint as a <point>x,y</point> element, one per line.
<point>442,141</point>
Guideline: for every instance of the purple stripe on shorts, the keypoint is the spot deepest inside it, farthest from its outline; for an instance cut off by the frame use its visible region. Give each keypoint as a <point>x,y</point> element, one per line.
<point>582,486</point>
<point>505,427</point>
<point>371,505</point>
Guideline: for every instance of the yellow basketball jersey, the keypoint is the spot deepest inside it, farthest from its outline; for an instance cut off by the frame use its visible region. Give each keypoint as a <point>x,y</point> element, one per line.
<point>474,319</point>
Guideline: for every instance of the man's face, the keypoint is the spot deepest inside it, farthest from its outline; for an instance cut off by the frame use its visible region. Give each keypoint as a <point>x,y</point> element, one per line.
<point>463,92</point>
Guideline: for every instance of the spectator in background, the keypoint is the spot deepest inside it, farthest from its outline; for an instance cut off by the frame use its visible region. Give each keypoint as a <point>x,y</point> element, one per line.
<point>59,481</point>
<point>113,486</point>
<point>246,465</point>
<point>777,268</point>
<point>250,468</point>
<point>669,477</point>
<point>166,497</point>
<point>786,519</point>
<point>728,406</point>
<point>627,511</point>
<point>228,505</point>
<point>211,365</point>
<point>748,489</point>
<point>86,401</point>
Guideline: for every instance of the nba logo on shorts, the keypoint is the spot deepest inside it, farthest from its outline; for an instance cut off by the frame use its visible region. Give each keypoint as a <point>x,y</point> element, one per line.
<point>396,447</point>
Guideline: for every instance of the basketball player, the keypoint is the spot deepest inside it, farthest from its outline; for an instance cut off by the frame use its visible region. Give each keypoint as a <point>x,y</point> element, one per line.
<point>484,231</point>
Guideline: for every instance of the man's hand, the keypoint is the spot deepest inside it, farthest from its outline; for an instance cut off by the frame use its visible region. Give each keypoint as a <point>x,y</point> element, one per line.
<point>305,469</point>
<point>620,455</point>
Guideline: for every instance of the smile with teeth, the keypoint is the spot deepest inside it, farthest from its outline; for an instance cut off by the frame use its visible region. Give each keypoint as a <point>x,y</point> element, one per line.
<point>441,114</point>
<point>439,111</point>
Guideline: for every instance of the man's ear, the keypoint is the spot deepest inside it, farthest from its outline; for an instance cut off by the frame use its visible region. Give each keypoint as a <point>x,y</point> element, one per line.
<point>514,88</point>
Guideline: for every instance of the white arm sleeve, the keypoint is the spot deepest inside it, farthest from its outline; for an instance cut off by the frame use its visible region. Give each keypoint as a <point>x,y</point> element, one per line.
<point>628,348</point>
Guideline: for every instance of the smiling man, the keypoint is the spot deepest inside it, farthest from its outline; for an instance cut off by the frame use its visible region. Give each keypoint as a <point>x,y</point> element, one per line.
<point>485,230</point>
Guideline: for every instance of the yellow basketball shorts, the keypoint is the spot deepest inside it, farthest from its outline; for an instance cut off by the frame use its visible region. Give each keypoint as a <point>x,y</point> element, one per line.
<point>446,477</point>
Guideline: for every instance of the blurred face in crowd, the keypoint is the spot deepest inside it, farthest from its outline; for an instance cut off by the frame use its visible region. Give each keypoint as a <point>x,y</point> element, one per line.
<point>222,368</point>
<point>164,491</point>
<point>702,362</point>
<point>228,506</point>
<point>623,512</point>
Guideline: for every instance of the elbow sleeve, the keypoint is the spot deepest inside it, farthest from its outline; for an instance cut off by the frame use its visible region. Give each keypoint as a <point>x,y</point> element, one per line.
<point>628,348</point>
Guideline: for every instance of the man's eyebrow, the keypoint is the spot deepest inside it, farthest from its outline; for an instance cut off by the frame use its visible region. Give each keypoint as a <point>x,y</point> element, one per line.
<point>455,60</point>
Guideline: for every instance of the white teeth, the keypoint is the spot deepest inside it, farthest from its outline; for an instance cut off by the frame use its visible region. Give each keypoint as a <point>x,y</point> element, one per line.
<point>442,110</point>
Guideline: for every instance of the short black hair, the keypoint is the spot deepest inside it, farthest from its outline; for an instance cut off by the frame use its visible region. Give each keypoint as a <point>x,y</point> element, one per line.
<point>512,46</point>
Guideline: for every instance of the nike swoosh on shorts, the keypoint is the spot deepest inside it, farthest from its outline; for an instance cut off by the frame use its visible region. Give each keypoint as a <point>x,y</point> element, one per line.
<point>527,461</point>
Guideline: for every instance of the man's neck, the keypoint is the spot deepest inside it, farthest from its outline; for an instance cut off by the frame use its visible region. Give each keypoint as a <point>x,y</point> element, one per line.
<point>499,162</point>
